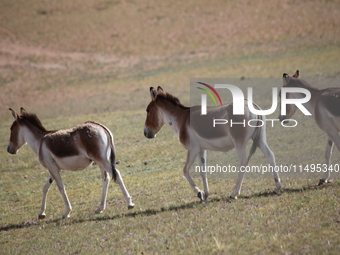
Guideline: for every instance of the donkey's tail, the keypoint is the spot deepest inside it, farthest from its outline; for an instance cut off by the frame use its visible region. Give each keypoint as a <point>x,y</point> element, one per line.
<point>113,162</point>
<point>112,155</point>
<point>112,149</point>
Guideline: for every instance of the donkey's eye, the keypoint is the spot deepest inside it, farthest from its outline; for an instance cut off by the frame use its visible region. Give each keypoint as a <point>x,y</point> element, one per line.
<point>147,110</point>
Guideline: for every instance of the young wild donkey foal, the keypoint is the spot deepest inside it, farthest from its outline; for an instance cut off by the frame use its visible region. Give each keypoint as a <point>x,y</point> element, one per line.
<point>69,149</point>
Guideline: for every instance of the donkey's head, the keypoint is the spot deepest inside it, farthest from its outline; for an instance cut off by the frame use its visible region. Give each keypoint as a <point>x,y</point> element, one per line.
<point>154,118</point>
<point>289,82</point>
<point>16,140</point>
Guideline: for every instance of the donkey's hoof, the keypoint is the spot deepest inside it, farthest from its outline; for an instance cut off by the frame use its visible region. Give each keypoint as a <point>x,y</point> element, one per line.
<point>41,216</point>
<point>98,211</point>
<point>201,195</point>
<point>130,206</point>
<point>65,216</point>
<point>322,181</point>
<point>277,191</point>
<point>233,197</point>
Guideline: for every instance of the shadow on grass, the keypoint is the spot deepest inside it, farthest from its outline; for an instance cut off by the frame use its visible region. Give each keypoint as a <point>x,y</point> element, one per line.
<point>149,212</point>
<point>291,190</point>
<point>60,221</point>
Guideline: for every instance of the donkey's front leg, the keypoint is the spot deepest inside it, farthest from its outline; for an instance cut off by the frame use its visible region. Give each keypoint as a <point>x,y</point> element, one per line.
<point>328,155</point>
<point>203,159</point>
<point>333,139</point>
<point>46,187</point>
<point>190,160</point>
<point>55,172</point>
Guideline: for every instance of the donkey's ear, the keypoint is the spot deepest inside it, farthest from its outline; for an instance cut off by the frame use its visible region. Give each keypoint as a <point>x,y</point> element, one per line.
<point>297,73</point>
<point>23,111</point>
<point>153,93</point>
<point>15,115</point>
<point>285,78</point>
<point>160,90</point>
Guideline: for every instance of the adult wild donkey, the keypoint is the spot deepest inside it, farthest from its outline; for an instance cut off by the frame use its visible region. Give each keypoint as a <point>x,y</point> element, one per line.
<point>69,149</point>
<point>324,105</point>
<point>197,134</point>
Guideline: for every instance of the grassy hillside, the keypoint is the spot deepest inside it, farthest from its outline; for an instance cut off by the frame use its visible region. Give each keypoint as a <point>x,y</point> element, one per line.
<point>72,61</point>
<point>74,52</point>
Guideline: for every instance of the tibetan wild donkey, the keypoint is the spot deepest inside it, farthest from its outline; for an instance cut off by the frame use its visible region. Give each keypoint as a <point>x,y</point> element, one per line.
<point>324,105</point>
<point>68,149</point>
<point>197,135</point>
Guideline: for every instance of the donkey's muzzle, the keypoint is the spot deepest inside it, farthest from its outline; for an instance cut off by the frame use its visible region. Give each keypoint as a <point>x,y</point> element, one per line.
<point>11,150</point>
<point>148,133</point>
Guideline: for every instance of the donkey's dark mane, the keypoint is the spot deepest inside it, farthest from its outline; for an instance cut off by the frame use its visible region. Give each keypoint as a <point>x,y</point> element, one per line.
<point>173,100</point>
<point>304,83</point>
<point>33,119</point>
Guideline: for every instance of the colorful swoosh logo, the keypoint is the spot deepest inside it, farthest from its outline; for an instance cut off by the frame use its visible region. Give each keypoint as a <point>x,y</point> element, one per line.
<point>209,93</point>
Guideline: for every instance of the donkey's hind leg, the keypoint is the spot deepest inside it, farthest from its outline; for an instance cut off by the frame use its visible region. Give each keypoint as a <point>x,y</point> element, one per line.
<point>105,170</point>
<point>46,187</point>
<point>242,159</point>
<point>271,159</point>
<point>105,183</point>
<point>124,190</point>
